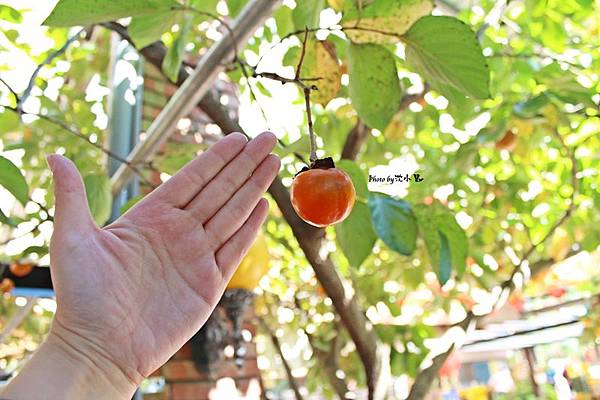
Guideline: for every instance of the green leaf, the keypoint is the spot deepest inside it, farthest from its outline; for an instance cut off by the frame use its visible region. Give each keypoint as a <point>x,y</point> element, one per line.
<point>390,16</point>
<point>564,85</point>
<point>445,266</point>
<point>172,61</point>
<point>445,240</point>
<point>97,189</point>
<point>130,203</point>
<point>456,240</point>
<point>358,178</point>
<point>374,86</point>
<point>13,181</point>
<point>262,89</point>
<point>147,29</point>
<point>356,248</point>
<point>235,6</point>
<point>39,250</point>
<point>284,21</point>
<point>445,52</point>
<point>5,219</point>
<point>306,13</point>
<point>9,14</point>
<point>531,107</point>
<point>87,12</point>
<point>300,146</point>
<point>394,222</point>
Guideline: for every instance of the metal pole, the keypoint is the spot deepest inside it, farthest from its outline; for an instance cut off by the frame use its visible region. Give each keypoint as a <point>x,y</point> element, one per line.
<point>196,86</point>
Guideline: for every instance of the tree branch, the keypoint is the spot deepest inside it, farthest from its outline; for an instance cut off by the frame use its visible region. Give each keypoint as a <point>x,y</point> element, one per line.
<point>286,365</point>
<point>11,90</point>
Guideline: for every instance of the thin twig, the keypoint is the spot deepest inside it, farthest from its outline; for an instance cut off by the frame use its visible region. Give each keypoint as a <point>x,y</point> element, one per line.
<point>80,135</point>
<point>313,144</point>
<point>286,365</point>
<point>330,29</point>
<point>302,54</point>
<point>47,61</point>
<point>12,91</point>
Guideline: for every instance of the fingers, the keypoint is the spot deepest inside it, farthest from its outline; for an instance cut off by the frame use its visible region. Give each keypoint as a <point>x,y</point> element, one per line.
<point>231,253</point>
<point>195,175</point>
<point>231,178</point>
<point>71,211</point>
<point>233,214</point>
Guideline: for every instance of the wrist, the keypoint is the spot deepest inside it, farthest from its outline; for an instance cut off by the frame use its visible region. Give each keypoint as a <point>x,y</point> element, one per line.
<point>69,367</point>
<point>94,368</point>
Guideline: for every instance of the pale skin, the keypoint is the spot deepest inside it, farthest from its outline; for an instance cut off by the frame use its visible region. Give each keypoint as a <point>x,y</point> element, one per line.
<point>129,295</point>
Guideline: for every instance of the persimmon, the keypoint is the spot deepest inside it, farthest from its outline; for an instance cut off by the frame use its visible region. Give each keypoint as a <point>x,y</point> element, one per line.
<point>508,141</point>
<point>556,291</point>
<point>6,285</point>
<point>323,195</point>
<point>20,269</point>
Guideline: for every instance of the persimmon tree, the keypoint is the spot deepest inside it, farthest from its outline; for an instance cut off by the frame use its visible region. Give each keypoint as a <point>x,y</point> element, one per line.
<point>482,122</point>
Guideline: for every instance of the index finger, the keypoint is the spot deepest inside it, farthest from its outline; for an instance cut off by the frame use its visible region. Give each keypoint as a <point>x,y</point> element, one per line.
<point>182,187</point>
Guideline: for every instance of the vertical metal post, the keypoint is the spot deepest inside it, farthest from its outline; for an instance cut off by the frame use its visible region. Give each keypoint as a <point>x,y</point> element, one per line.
<point>125,114</point>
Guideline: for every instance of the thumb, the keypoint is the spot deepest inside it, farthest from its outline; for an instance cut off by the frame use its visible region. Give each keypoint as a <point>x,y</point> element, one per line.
<point>71,211</point>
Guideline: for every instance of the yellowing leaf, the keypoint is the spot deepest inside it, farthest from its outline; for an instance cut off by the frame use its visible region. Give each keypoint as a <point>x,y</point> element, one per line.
<point>396,128</point>
<point>327,68</point>
<point>320,61</point>
<point>393,17</point>
<point>337,5</point>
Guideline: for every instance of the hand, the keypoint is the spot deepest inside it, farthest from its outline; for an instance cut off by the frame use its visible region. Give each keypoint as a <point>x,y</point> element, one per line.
<point>131,294</point>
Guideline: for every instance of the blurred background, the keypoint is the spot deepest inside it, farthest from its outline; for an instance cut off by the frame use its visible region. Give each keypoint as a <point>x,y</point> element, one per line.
<point>472,271</point>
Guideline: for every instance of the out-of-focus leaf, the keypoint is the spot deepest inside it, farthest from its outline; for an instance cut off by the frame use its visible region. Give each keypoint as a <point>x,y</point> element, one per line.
<point>306,13</point>
<point>564,85</point>
<point>5,219</point>
<point>147,29</point>
<point>97,189</point>
<point>39,250</point>
<point>87,12</point>
<point>9,14</point>
<point>235,6</point>
<point>283,19</point>
<point>531,107</point>
<point>130,203</point>
<point>445,240</point>
<point>374,85</point>
<point>390,16</point>
<point>174,57</point>
<point>13,181</point>
<point>301,146</point>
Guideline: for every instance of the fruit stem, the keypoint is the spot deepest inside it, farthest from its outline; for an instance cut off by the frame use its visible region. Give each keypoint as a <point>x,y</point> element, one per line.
<point>306,90</point>
<point>311,133</point>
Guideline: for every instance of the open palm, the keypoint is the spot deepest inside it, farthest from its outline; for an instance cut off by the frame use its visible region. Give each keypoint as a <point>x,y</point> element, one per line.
<point>135,291</point>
